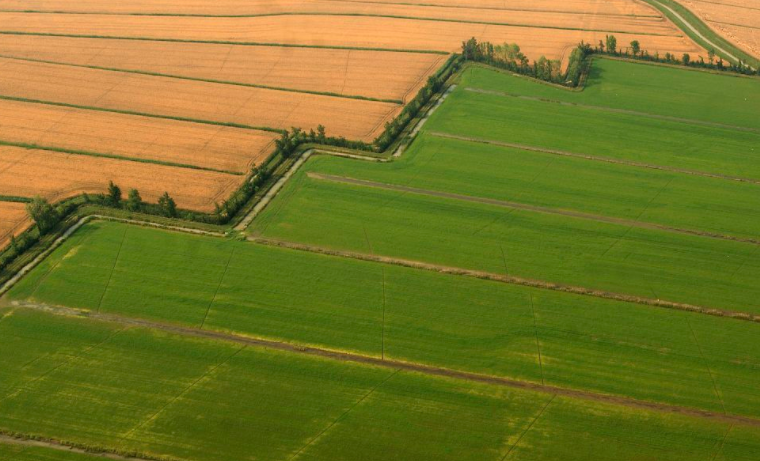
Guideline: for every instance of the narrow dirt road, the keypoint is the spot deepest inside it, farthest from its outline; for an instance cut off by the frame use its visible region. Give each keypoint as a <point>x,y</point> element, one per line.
<point>399,365</point>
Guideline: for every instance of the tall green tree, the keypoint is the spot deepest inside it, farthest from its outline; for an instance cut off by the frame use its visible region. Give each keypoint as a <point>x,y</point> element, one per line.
<point>611,44</point>
<point>44,215</point>
<point>114,195</point>
<point>167,205</point>
<point>134,200</point>
<point>635,47</point>
<point>686,59</point>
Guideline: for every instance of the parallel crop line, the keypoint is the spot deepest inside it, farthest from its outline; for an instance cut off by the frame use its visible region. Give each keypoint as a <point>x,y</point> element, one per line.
<point>533,208</point>
<point>205,80</point>
<point>541,412</point>
<point>513,280</point>
<point>398,365</point>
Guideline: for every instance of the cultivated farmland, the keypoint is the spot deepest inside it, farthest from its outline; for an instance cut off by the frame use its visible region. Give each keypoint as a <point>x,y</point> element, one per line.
<point>737,20</point>
<point>12,218</point>
<point>57,176</point>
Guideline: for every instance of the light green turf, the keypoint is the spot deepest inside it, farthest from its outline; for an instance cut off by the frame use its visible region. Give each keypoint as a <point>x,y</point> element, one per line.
<point>562,183</point>
<point>95,383</point>
<point>589,131</point>
<point>415,315</point>
<point>559,249</point>
<point>676,92</point>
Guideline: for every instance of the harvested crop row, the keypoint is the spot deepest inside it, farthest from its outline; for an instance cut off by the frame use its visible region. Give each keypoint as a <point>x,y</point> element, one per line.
<point>145,138</point>
<point>56,176</point>
<point>13,220</point>
<point>221,103</point>
<point>737,20</point>
<point>236,7</point>
<point>320,30</point>
<point>347,72</point>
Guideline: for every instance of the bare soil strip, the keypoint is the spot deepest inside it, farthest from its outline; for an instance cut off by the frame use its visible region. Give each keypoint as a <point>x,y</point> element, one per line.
<point>511,279</point>
<point>592,157</point>
<point>617,111</point>
<point>533,208</point>
<point>62,446</point>
<point>342,356</point>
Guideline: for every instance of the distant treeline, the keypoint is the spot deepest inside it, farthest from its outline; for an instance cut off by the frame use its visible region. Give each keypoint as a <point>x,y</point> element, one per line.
<point>508,56</point>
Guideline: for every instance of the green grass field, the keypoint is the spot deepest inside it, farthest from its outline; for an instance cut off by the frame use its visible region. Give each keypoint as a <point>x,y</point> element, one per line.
<point>407,314</point>
<point>22,453</point>
<point>132,389</point>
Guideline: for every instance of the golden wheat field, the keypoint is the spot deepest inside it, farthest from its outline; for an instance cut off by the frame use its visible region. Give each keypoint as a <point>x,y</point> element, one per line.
<point>12,220</point>
<point>146,138</point>
<point>736,20</point>
<point>56,176</point>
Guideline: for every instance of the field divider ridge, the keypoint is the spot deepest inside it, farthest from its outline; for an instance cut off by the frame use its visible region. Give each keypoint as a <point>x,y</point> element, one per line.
<point>594,158</point>
<point>397,365</point>
<point>509,279</point>
<point>203,80</point>
<point>85,153</point>
<point>382,16</point>
<point>225,42</point>
<point>613,110</point>
<point>531,208</point>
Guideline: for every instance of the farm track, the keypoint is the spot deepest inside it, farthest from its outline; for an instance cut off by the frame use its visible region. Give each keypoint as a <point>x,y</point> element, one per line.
<point>612,110</point>
<point>593,157</point>
<point>513,280</point>
<point>527,207</point>
<point>62,446</point>
<point>370,15</point>
<point>398,365</point>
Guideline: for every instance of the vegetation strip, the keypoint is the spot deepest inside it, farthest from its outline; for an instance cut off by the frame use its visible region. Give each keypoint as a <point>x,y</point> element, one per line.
<point>14,198</point>
<point>224,42</point>
<point>514,280</point>
<point>30,441</point>
<point>383,16</point>
<point>526,207</point>
<point>142,114</point>
<point>115,157</point>
<point>592,157</point>
<point>613,110</point>
<point>206,80</point>
<point>414,367</point>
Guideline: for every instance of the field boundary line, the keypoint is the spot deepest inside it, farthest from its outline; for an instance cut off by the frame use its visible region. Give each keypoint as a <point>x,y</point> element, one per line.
<point>527,429</point>
<point>533,208</point>
<point>218,287</point>
<point>204,80</point>
<point>224,42</point>
<point>84,153</point>
<point>381,16</point>
<point>4,288</point>
<point>25,440</point>
<point>398,365</point>
<point>707,365</point>
<point>688,121</point>
<point>511,279</point>
<point>344,414</point>
<point>594,158</point>
<point>184,391</point>
<point>113,268</point>
<point>141,114</point>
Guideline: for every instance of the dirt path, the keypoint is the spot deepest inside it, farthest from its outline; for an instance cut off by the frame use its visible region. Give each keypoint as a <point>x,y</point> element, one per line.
<point>61,446</point>
<point>592,157</point>
<point>533,208</point>
<point>398,365</point>
<point>695,31</point>
<point>514,280</point>
<point>613,110</point>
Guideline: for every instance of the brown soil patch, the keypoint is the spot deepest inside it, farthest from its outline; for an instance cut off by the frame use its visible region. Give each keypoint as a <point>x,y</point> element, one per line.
<point>13,221</point>
<point>357,31</point>
<point>351,118</point>
<point>55,176</point>
<point>346,72</point>
<point>737,20</point>
<point>207,146</point>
